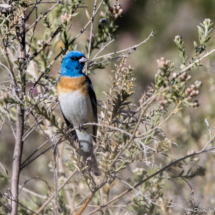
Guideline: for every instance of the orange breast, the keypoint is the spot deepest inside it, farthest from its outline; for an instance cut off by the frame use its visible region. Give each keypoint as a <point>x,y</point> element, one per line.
<point>69,85</point>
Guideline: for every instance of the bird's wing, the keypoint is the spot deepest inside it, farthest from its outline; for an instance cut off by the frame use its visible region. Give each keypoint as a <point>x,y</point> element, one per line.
<point>94,106</point>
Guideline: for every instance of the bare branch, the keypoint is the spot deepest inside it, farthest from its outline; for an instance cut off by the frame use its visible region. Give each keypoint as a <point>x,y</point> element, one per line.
<point>36,177</point>
<point>47,43</point>
<point>60,188</point>
<point>19,124</point>
<point>73,40</point>
<point>43,15</point>
<point>151,176</point>
<point>130,48</point>
<point>91,29</point>
<point>5,53</point>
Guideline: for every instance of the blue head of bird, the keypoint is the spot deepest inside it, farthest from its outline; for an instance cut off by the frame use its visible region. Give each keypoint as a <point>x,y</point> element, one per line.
<point>73,64</point>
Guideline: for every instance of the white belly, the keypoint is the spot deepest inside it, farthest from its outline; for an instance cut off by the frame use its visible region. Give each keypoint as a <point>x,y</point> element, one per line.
<point>78,110</point>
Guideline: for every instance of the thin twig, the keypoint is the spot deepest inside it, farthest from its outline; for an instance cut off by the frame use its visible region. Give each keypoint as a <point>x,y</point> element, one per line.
<point>35,7</point>
<point>116,129</point>
<point>59,189</point>
<point>134,131</point>
<point>8,61</point>
<point>32,192</point>
<point>78,206</point>
<point>130,48</point>
<point>85,124</point>
<point>36,177</point>
<point>5,207</point>
<point>19,123</point>
<point>62,172</point>
<point>54,152</point>
<point>43,15</point>
<point>85,204</point>
<point>11,125</point>
<point>27,159</point>
<point>151,176</point>
<point>207,144</point>
<point>33,159</point>
<point>163,121</point>
<point>32,35</point>
<point>5,170</point>
<point>91,29</point>
<point>209,130</point>
<point>43,2</point>
<point>194,63</point>
<point>47,43</point>
<point>104,47</point>
<point>18,203</point>
<point>60,53</point>
<point>138,192</point>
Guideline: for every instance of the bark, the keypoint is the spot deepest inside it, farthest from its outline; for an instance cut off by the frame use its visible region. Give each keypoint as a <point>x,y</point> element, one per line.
<point>20,30</point>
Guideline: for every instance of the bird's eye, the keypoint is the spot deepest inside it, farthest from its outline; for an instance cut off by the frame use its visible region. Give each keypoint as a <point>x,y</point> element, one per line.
<point>73,58</point>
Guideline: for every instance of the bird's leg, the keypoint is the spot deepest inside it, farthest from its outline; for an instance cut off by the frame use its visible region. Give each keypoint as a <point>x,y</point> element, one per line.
<point>67,129</point>
<point>81,127</point>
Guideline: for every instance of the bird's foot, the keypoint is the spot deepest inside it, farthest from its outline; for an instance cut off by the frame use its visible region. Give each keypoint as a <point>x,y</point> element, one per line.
<point>81,127</point>
<point>67,129</point>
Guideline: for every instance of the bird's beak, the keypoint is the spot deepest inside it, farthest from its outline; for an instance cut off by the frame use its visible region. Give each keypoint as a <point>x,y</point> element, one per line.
<point>82,60</point>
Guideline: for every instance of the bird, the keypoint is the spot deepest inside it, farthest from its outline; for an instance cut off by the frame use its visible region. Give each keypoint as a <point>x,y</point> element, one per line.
<point>78,105</point>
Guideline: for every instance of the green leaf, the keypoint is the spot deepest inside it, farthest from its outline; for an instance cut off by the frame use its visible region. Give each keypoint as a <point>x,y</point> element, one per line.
<point>200,30</point>
<point>75,14</point>
<point>207,39</point>
<point>53,119</point>
<point>209,31</point>
<point>195,44</point>
<point>66,7</point>
<point>181,173</point>
<point>188,172</point>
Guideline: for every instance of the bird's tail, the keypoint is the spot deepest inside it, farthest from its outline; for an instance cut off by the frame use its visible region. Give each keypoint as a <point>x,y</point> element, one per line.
<point>95,165</point>
<point>90,160</point>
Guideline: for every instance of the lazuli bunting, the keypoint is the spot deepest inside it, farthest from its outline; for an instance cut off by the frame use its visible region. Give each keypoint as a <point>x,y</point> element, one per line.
<point>78,104</point>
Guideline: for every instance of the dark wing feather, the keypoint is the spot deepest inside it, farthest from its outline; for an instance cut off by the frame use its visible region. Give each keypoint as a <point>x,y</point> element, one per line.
<point>94,106</point>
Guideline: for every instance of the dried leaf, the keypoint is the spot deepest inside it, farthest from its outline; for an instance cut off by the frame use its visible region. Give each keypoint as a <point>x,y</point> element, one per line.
<point>87,14</point>
<point>5,5</point>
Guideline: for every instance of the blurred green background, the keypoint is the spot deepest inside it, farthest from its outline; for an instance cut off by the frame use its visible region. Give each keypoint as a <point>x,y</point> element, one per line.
<point>187,128</point>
